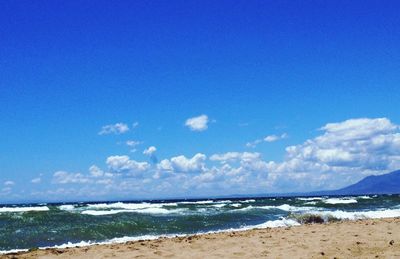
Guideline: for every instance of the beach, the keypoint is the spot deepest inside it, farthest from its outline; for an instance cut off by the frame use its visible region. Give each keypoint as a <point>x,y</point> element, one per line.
<point>369,238</point>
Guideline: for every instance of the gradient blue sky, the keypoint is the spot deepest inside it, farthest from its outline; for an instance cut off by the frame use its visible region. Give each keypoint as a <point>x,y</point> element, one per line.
<point>254,68</point>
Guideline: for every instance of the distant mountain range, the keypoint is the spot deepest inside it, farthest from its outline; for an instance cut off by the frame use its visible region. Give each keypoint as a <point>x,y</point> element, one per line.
<point>374,184</point>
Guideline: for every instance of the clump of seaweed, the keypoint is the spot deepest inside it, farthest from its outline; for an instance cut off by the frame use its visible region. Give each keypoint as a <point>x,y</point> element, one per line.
<point>309,218</point>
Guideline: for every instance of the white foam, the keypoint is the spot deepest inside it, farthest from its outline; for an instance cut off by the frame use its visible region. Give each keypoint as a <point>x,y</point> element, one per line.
<point>103,212</point>
<point>12,251</point>
<point>67,207</point>
<point>245,208</point>
<point>373,214</point>
<point>144,211</point>
<point>310,203</point>
<point>219,205</point>
<point>197,202</point>
<point>278,223</point>
<point>205,202</point>
<point>248,201</point>
<point>286,207</point>
<point>23,209</point>
<point>340,201</point>
<point>310,199</point>
<point>129,206</point>
<point>159,211</point>
<point>364,197</point>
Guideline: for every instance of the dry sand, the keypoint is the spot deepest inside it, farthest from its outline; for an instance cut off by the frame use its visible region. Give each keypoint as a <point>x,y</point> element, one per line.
<point>351,239</point>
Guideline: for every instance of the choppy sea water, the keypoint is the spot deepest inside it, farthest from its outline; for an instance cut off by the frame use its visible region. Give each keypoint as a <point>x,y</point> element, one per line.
<point>76,224</point>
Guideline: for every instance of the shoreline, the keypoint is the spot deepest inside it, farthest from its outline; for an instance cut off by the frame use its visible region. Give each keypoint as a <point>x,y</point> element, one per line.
<point>365,238</point>
<point>122,240</point>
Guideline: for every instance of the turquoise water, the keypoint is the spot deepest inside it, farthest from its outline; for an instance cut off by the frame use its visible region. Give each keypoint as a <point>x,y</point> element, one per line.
<point>47,225</point>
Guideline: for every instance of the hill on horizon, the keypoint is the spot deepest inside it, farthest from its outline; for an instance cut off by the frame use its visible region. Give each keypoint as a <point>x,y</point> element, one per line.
<point>374,184</point>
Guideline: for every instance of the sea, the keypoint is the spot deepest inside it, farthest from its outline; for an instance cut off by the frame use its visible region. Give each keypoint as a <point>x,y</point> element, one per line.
<point>61,225</point>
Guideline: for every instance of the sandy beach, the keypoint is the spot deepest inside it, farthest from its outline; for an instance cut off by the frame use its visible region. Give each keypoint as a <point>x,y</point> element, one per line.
<point>378,238</point>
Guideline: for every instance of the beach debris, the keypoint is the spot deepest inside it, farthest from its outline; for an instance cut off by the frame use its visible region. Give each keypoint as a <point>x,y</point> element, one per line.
<point>307,218</point>
<point>33,249</point>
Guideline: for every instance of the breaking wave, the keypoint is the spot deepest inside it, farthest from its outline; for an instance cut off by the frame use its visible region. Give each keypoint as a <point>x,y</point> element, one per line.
<point>23,209</point>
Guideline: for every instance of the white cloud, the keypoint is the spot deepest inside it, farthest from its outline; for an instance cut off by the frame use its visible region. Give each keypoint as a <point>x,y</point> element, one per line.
<point>62,177</point>
<point>6,190</point>
<point>343,153</point>
<point>165,165</point>
<point>360,128</point>
<point>254,143</point>
<point>135,125</point>
<point>96,171</point>
<point>36,180</point>
<point>96,175</point>
<point>133,143</point>
<point>372,144</point>
<point>150,151</point>
<point>199,123</point>
<point>182,164</point>
<point>235,156</point>
<point>118,128</point>
<point>273,138</point>
<point>123,164</point>
<point>9,183</point>
<point>107,181</point>
<point>269,139</point>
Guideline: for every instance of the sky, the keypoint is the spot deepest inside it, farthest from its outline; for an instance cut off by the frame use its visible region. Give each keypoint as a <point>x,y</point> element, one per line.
<point>105,100</point>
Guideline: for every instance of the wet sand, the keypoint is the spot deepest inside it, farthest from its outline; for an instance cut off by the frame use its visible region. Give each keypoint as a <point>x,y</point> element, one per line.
<point>348,239</point>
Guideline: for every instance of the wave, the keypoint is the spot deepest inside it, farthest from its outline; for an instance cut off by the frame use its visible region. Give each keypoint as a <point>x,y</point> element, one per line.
<point>129,206</point>
<point>249,201</point>
<point>119,240</point>
<point>309,198</point>
<point>372,214</point>
<point>103,212</point>
<point>67,207</point>
<point>364,197</point>
<point>310,203</point>
<point>278,223</point>
<point>204,202</point>
<point>339,201</point>
<point>143,211</point>
<point>284,207</point>
<point>12,251</point>
<point>196,202</point>
<point>220,205</point>
<point>23,209</point>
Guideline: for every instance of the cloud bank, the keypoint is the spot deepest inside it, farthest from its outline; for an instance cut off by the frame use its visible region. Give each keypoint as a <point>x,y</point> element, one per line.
<point>342,153</point>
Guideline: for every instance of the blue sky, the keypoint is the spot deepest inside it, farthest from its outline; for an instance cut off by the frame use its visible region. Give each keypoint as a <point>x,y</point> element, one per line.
<point>262,80</point>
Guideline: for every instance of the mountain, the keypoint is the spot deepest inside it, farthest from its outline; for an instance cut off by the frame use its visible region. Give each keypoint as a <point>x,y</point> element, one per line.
<point>374,184</point>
